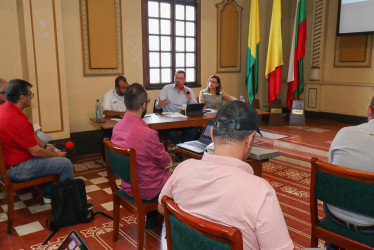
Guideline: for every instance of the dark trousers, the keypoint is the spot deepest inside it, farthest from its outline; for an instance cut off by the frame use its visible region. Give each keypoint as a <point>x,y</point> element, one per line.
<point>189,134</point>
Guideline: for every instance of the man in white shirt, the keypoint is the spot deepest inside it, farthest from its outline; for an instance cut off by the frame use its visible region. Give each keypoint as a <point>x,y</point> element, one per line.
<point>113,102</point>
<point>353,147</point>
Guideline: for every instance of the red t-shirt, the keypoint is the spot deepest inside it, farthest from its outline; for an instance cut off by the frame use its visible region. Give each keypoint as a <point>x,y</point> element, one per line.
<point>16,134</point>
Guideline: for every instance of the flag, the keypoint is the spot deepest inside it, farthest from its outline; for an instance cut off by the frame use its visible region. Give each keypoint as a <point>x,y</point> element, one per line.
<point>295,77</point>
<point>251,75</point>
<point>274,59</point>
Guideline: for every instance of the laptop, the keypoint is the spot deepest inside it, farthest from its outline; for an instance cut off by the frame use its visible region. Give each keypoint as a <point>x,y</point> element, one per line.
<point>199,146</point>
<point>73,242</point>
<point>194,109</point>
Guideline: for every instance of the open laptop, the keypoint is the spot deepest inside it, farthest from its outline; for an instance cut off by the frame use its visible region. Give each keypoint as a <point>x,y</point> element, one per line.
<point>194,109</point>
<point>199,146</point>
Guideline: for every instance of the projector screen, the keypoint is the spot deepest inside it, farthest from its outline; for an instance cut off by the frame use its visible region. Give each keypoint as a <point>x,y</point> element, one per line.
<point>355,17</point>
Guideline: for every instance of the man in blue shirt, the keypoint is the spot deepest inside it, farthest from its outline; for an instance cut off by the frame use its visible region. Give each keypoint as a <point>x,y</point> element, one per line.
<point>171,98</point>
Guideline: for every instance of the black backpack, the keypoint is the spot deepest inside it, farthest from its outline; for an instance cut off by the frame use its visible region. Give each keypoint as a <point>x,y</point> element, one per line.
<point>69,206</point>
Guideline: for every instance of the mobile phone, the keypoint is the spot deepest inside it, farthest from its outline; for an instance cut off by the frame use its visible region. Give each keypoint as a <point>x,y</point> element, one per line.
<point>73,242</point>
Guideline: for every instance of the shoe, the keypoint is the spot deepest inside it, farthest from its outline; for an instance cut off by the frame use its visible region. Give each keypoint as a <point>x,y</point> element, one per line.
<point>47,200</point>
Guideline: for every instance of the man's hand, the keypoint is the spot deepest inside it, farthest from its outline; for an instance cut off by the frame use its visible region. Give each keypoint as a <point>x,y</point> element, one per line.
<point>170,165</point>
<point>50,147</point>
<point>162,103</point>
<point>61,154</point>
<point>187,93</point>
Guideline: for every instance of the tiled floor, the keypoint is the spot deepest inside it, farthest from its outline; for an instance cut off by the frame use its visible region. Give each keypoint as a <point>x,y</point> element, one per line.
<point>289,174</point>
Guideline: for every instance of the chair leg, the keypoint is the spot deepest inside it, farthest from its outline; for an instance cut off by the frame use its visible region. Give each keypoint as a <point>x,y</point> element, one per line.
<point>141,225</point>
<point>10,211</point>
<point>41,194</point>
<point>116,208</point>
<point>313,241</point>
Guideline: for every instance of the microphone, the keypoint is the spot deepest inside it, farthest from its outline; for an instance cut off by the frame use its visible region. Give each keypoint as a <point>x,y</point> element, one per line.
<point>69,145</point>
<point>181,87</point>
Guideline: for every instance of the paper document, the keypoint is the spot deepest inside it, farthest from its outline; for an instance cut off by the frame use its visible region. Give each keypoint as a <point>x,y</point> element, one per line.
<point>174,114</point>
<point>116,119</point>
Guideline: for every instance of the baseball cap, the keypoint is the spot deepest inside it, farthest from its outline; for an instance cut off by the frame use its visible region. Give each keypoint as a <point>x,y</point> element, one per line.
<point>237,115</point>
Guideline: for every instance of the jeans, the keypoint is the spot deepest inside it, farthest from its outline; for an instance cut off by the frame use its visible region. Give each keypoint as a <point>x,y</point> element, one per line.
<point>188,135</point>
<point>40,167</point>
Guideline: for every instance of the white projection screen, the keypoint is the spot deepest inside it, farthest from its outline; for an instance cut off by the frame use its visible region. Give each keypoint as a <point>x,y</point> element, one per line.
<point>355,17</point>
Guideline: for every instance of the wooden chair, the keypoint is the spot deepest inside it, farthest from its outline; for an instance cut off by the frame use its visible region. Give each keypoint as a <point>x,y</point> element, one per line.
<point>9,187</point>
<point>345,188</point>
<point>121,163</point>
<point>184,231</point>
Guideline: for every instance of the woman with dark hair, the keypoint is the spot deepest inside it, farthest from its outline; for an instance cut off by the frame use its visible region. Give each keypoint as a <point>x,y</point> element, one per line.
<point>213,96</point>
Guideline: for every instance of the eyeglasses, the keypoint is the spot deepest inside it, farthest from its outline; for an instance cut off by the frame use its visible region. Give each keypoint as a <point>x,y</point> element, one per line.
<point>2,92</point>
<point>31,94</point>
<point>179,78</point>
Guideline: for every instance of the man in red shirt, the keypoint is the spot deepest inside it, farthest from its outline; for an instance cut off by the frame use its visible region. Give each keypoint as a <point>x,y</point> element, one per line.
<point>23,157</point>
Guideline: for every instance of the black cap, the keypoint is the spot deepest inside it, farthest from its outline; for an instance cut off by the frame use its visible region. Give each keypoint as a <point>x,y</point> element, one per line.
<point>237,115</point>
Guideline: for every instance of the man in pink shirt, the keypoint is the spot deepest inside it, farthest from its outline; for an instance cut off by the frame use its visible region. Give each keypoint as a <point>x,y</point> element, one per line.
<point>152,160</point>
<point>222,187</point>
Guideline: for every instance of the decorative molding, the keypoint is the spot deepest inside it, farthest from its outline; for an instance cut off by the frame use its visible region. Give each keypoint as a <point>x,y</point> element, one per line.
<point>229,61</point>
<point>357,58</point>
<point>87,70</point>
<point>57,69</point>
<point>312,98</point>
<point>317,44</point>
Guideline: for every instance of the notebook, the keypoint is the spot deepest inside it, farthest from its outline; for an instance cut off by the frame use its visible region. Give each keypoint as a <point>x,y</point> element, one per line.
<point>195,109</point>
<point>199,146</point>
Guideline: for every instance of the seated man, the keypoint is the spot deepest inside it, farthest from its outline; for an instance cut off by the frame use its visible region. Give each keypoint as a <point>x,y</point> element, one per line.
<point>353,147</point>
<point>151,158</point>
<point>41,143</point>
<point>23,157</point>
<point>171,99</point>
<point>222,187</point>
<point>113,102</point>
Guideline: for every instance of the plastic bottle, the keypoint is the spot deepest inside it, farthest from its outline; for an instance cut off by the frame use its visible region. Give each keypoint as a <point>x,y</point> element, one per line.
<point>241,98</point>
<point>98,110</point>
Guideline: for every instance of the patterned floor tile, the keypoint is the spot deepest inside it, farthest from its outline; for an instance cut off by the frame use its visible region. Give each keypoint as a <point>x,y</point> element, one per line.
<point>29,228</point>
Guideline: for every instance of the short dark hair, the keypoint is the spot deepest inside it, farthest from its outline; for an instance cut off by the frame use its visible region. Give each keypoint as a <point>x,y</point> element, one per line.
<point>180,72</point>
<point>135,95</point>
<point>372,107</point>
<point>226,135</point>
<point>218,89</point>
<point>16,88</point>
<point>118,79</point>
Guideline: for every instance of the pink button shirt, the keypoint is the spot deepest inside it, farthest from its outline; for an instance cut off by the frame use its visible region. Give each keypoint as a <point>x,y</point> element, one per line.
<point>151,157</point>
<point>224,190</point>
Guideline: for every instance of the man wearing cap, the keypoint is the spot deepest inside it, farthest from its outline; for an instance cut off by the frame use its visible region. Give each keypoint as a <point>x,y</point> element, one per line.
<point>222,187</point>
<point>353,147</point>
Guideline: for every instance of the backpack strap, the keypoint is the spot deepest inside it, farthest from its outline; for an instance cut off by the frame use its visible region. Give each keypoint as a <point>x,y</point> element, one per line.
<point>46,241</point>
<point>102,213</point>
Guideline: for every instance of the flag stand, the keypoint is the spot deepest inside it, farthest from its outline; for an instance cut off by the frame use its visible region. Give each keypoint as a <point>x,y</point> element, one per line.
<point>276,116</point>
<point>297,117</point>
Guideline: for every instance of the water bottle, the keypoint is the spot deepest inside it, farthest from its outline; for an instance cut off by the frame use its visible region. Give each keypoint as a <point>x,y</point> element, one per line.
<point>241,98</point>
<point>98,110</point>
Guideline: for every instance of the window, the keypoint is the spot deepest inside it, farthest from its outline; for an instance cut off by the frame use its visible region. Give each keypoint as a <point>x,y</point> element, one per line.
<point>170,41</point>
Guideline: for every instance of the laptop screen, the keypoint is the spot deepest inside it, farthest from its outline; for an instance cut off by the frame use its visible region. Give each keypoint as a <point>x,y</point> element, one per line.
<point>205,135</point>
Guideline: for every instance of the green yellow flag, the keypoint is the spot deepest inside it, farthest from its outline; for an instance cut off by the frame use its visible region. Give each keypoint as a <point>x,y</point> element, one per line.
<point>251,76</point>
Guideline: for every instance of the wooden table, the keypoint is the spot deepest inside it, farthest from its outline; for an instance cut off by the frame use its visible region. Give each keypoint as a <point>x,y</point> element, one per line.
<point>160,122</point>
<point>256,158</point>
